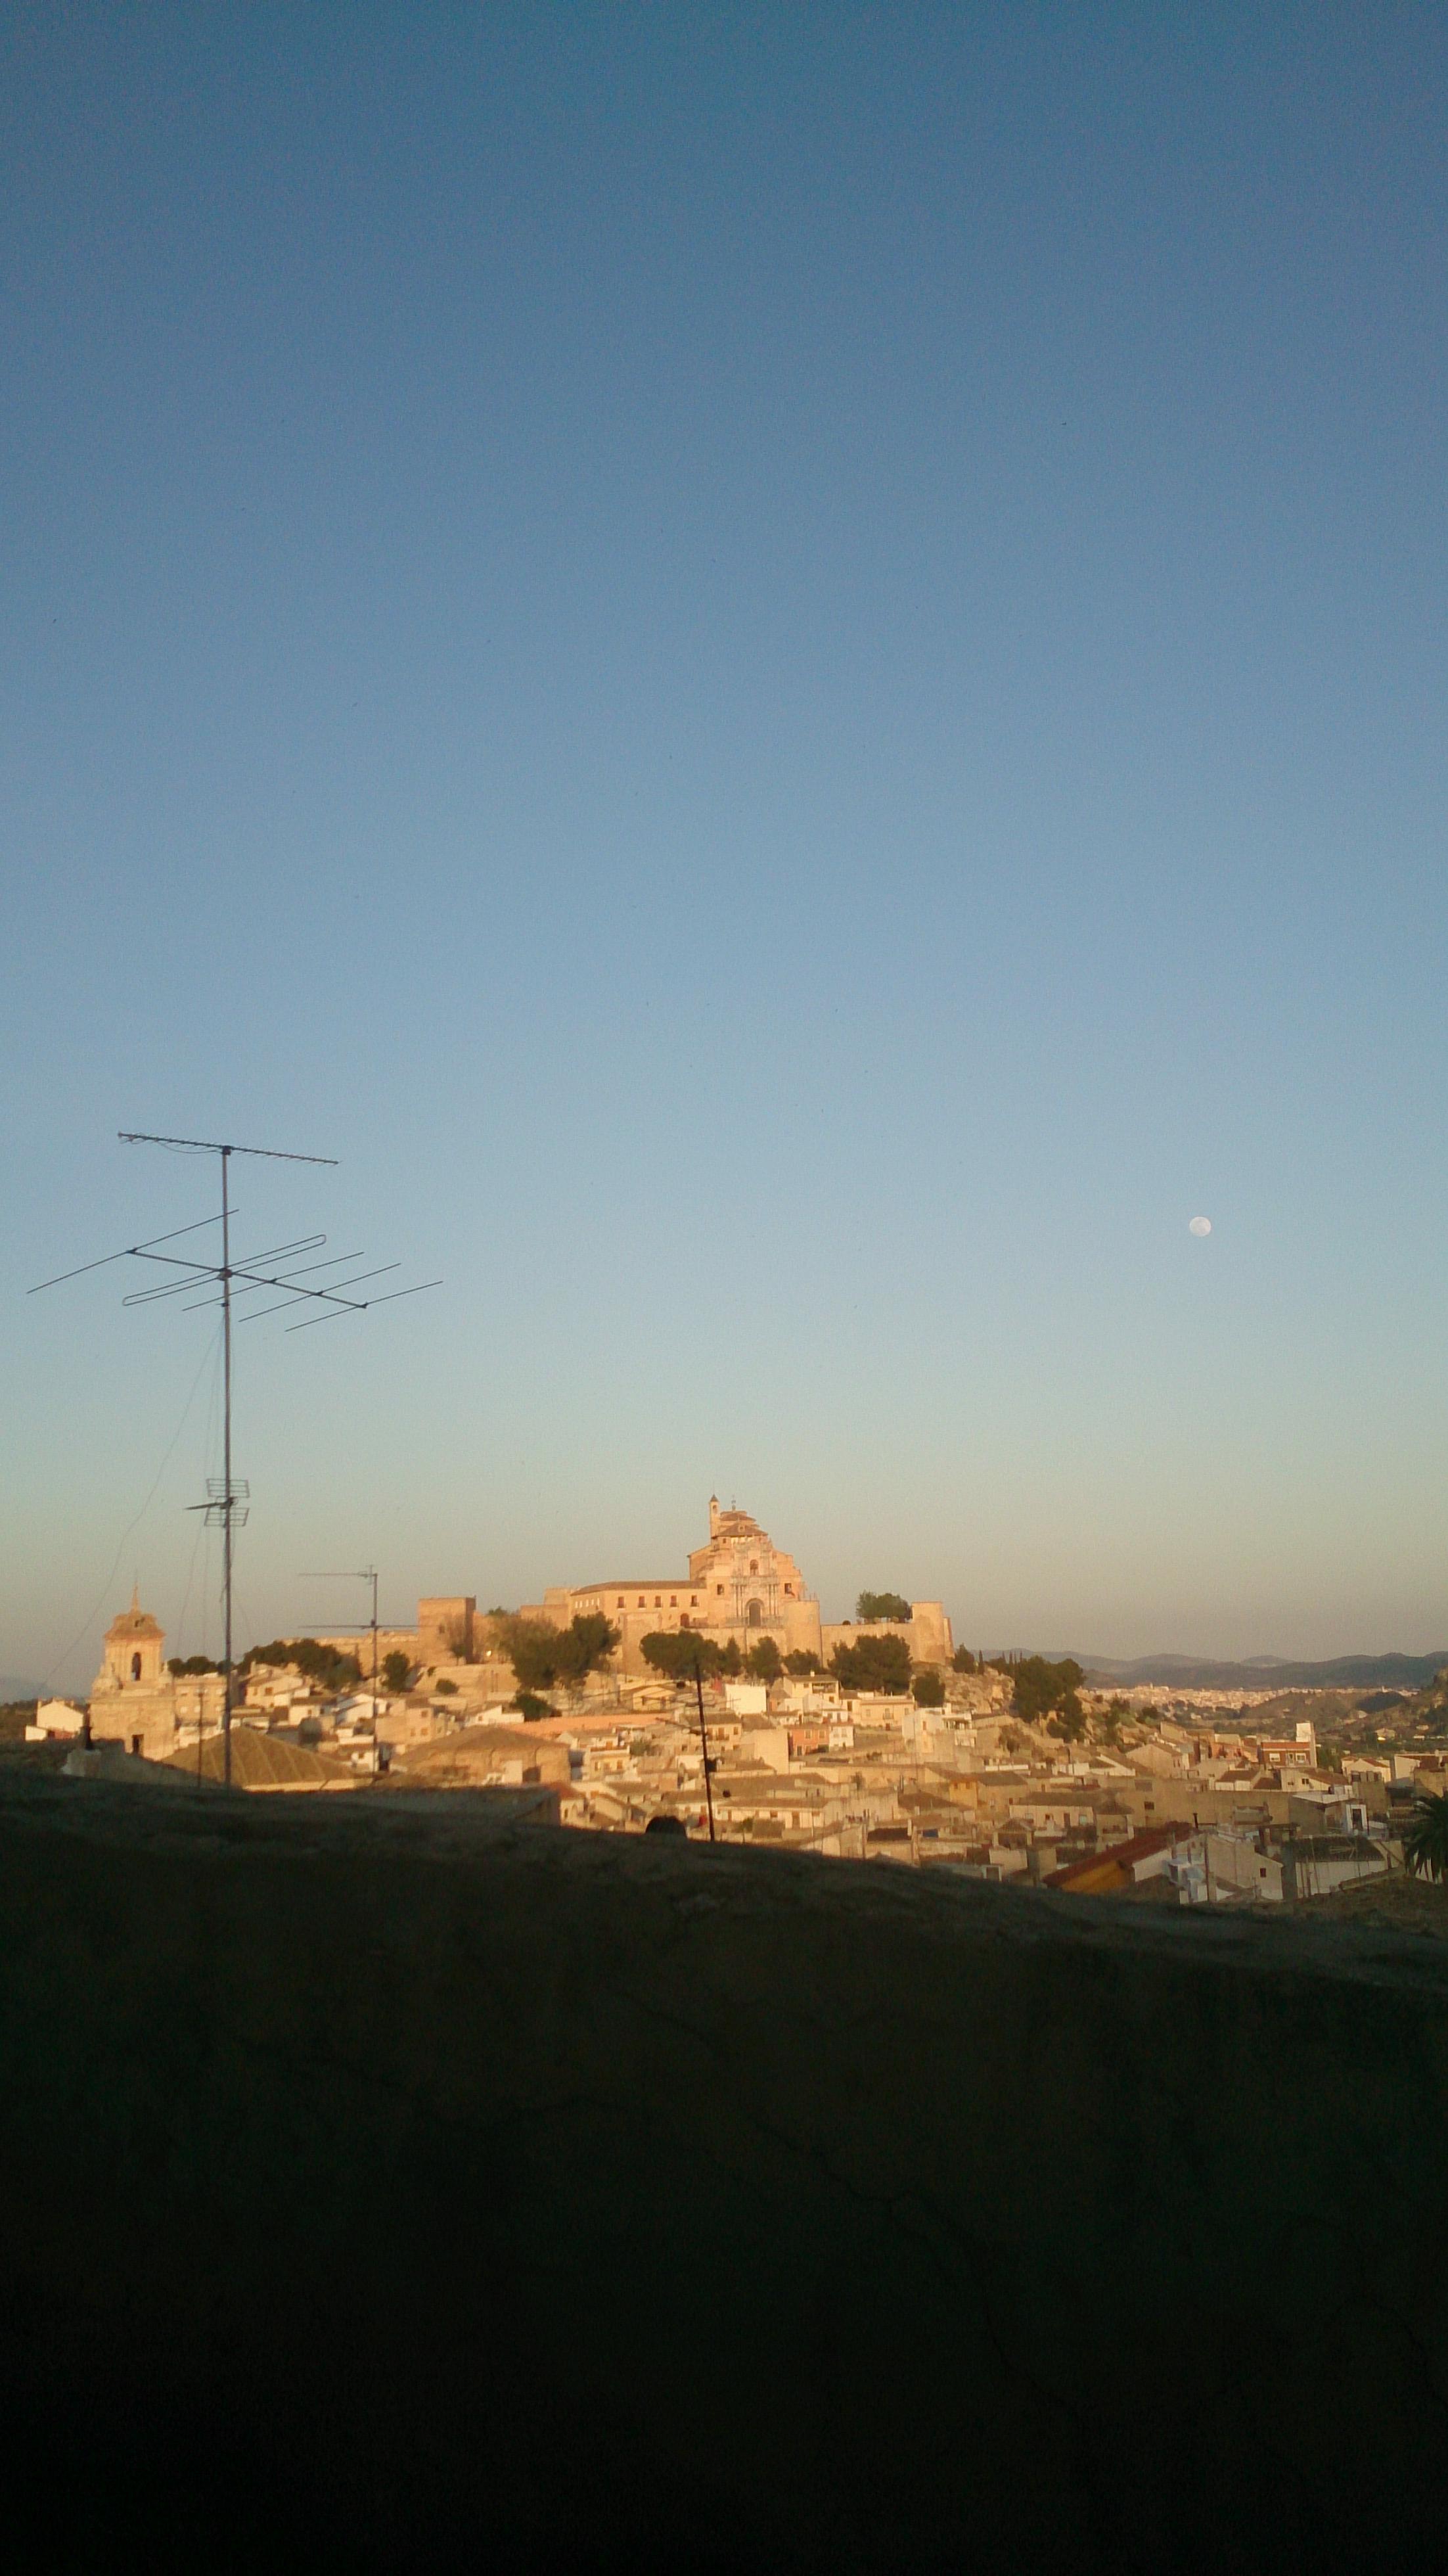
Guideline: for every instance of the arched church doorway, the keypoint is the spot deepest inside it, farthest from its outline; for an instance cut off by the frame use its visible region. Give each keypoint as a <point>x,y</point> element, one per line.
<point>754,1613</point>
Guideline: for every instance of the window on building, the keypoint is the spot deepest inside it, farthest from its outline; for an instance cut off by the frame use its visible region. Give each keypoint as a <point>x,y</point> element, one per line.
<point>673,1600</point>
<point>789,1591</point>
<point>619,1603</point>
<point>754,1565</point>
<point>135,1668</point>
<point>658,1601</point>
<point>641,1601</point>
<point>719,1588</point>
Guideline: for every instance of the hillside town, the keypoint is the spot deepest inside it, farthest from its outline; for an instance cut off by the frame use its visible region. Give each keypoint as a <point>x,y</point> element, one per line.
<point>719,1705</point>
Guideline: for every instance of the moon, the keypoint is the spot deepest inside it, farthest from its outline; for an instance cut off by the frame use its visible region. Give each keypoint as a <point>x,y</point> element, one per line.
<point>1200,1225</point>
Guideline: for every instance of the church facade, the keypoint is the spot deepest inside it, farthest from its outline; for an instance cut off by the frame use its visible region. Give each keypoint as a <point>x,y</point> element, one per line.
<point>134,1701</point>
<point>739,1585</point>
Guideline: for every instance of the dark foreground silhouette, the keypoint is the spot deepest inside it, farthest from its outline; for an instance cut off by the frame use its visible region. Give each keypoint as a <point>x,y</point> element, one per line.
<point>380,2188</point>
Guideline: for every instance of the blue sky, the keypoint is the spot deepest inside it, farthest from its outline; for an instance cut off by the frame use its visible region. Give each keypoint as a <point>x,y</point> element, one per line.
<point>784,672</point>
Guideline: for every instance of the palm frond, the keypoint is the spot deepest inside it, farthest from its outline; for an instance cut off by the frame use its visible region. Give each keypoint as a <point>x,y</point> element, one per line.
<point>1425,1844</point>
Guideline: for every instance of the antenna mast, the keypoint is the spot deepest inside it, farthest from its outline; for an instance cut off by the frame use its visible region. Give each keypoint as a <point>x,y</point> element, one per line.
<point>228,1490</point>
<point>223,1507</point>
<point>227,1506</point>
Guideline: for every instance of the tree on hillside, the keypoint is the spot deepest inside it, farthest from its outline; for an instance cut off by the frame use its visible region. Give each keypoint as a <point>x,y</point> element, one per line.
<point>530,1707</point>
<point>1425,1844</point>
<point>882,1605</point>
<point>800,1661</point>
<point>962,1661</point>
<point>873,1664</point>
<point>586,1642</point>
<point>325,1665</point>
<point>764,1662</point>
<point>1047,1693</point>
<point>680,1653</point>
<point>532,1648</point>
<point>928,1686</point>
<point>183,1666</point>
<point>396,1670</point>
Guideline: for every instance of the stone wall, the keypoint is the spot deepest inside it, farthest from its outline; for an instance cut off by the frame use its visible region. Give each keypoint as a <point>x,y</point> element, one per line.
<point>926,1633</point>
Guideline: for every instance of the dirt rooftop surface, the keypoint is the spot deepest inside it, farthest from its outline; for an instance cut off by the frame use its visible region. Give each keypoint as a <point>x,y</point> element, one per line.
<point>431,2188</point>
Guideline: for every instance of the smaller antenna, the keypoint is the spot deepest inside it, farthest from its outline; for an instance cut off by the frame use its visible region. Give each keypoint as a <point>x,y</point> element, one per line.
<point>358,1574</point>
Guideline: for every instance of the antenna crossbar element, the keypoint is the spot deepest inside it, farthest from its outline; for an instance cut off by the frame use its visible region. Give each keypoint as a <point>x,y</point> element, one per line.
<point>204,1145</point>
<point>198,1271</point>
<point>245,1289</point>
<point>363,1304</point>
<point>206,1270</point>
<point>128,1252</point>
<point>222,1501</point>
<point>251,1278</point>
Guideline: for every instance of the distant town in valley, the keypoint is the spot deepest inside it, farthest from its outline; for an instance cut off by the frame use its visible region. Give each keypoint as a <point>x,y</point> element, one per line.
<point>716,1702</point>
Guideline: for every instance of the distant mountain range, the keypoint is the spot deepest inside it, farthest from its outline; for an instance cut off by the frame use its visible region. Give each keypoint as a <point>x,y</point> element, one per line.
<point>1271,1672</point>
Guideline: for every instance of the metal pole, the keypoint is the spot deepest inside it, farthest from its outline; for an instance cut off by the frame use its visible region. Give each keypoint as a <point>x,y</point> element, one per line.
<point>374,1671</point>
<point>704,1740</point>
<point>331,1304</point>
<point>226,1465</point>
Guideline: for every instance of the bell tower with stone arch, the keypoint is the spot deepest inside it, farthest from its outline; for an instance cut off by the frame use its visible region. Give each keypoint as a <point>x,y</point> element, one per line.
<point>133,1651</point>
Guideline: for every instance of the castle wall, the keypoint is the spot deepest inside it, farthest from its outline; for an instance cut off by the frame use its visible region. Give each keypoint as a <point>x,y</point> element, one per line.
<point>403,1641</point>
<point>640,1611</point>
<point>926,1632</point>
<point>445,1626</point>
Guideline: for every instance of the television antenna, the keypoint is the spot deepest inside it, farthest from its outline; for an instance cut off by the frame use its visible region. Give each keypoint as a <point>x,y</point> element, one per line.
<point>228,1498</point>
<point>357,1627</point>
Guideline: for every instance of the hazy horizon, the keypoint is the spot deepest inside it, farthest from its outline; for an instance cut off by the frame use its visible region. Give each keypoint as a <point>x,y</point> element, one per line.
<point>785,673</point>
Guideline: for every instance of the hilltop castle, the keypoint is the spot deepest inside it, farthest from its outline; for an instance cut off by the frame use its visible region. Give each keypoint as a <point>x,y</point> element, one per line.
<point>740,1586</point>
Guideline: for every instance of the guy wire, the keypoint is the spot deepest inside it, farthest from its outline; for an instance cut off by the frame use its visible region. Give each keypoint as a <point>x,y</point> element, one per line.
<point>92,1615</point>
